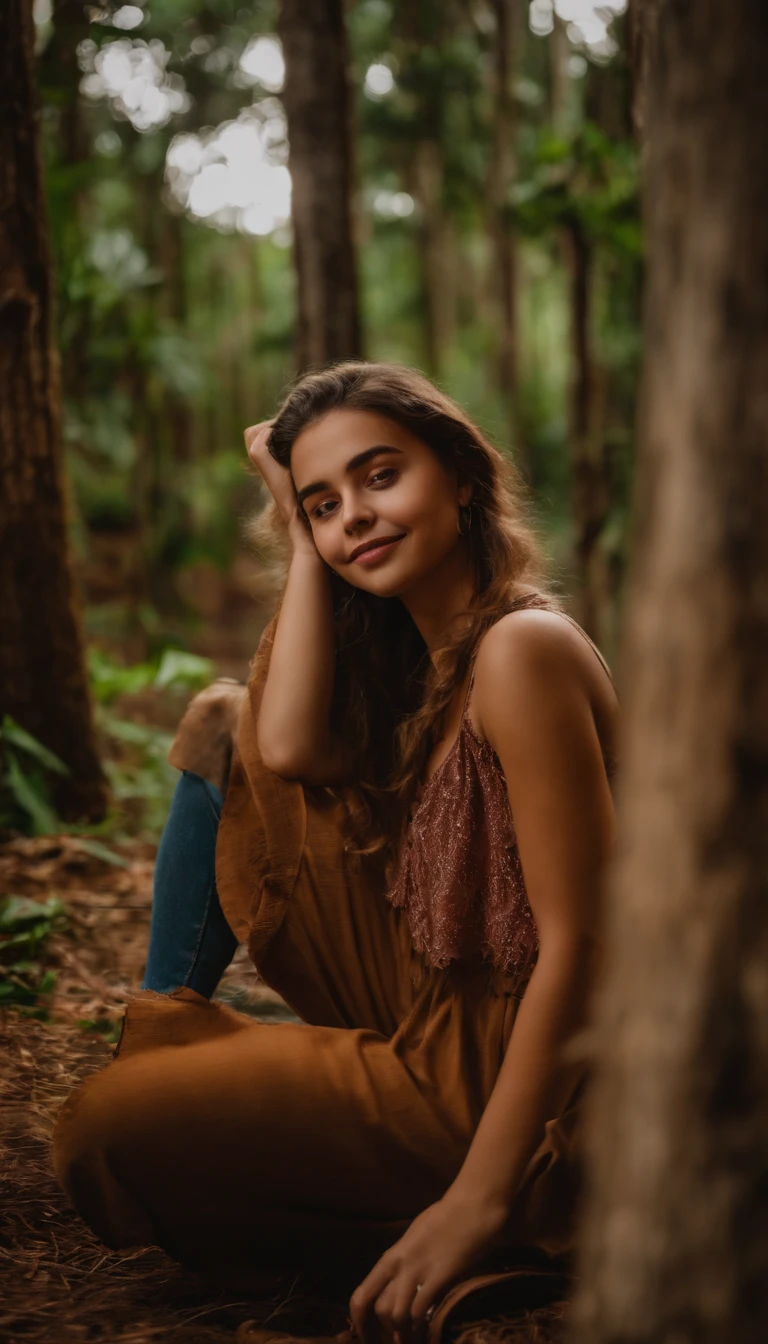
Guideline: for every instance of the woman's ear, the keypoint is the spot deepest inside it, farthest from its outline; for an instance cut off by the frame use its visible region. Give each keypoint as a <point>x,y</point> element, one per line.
<point>465,493</point>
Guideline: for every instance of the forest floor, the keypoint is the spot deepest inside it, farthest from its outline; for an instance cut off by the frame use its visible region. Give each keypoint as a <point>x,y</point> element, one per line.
<point>58,1283</point>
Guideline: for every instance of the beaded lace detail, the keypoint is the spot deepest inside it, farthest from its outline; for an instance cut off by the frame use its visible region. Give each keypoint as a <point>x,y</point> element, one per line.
<point>459,877</point>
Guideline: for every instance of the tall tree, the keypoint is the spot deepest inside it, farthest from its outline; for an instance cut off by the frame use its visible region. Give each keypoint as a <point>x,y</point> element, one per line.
<point>42,676</point>
<point>591,500</point>
<point>436,295</point>
<point>502,178</point>
<point>317,108</point>
<point>676,1235</point>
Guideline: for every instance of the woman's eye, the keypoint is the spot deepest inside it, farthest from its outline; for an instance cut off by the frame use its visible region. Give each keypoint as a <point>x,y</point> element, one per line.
<point>381,477</point>
<point>386,473</point>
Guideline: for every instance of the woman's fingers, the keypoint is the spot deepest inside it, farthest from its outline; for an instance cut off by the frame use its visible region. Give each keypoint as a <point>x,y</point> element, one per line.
<point>397,1302</point>
<point>401,1322</point>
<point>256,439</point>
<point>368,1292</point>
<point>276,478</point>
<point>422,1306</point>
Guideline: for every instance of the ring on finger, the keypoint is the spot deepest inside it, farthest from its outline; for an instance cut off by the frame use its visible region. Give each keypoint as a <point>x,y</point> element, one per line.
<point>429,1313</point>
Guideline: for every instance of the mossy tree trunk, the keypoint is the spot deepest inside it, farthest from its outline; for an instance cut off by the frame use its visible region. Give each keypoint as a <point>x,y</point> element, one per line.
<point>42,675</point>
<point>676,1233</point>
<point>317,106</point>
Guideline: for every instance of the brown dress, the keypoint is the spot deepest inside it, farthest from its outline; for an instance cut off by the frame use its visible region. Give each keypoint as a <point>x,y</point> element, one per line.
<point>217,1137</point>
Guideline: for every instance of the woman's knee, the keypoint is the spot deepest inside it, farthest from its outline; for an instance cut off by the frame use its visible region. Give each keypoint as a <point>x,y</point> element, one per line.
<point>198,798</point>
<point>92,1133</point>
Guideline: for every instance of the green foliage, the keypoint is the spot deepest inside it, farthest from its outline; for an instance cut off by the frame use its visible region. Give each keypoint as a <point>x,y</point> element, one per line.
<point>175,669</point>
<point>109,1028</point>
<point>25,926</point>
<point>25,784</point>
<point>587,182</point>
<point>175,334</point>
<point>140,777</point>
<point>180,669</point>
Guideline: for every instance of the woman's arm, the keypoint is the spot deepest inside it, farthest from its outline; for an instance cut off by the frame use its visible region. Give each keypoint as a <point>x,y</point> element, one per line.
<point>293,731</point>
<point>533,704</point>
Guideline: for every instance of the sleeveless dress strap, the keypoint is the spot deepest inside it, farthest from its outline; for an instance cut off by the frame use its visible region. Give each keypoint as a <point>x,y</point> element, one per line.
<point>589,641</point>
<point>555,612</point>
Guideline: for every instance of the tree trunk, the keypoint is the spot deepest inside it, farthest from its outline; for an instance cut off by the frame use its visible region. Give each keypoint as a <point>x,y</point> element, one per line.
<point>178,410</point>
<point>642,20</point>
<point>676,1233</point>
<point>42,675</point>
<point>436,257</point>
<point>502,177</point>
<point>58,75</point>
<point>560,82</point>
<point>317,107</point>
<point>590,489</point>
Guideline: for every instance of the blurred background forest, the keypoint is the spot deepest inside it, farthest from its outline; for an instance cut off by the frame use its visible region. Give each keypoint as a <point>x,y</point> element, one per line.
<point>233,195</point>
<point>497,247</point>
<point>479,155</point>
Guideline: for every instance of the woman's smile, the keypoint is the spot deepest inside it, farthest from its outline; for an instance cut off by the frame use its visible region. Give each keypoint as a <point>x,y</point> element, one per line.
<point>366,484</point>
<point>375,550</point>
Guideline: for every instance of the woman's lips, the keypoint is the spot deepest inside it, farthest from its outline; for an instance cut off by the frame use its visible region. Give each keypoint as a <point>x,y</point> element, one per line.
<point>376,552</point>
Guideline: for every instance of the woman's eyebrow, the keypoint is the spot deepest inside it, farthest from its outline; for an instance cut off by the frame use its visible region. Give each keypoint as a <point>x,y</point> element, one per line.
<point>354,462</point>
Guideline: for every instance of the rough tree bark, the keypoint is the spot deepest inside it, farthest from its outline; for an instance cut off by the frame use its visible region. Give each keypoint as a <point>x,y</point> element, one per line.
<point>58,76</point>
<point>502,177</point>
<point>589,477</point>
<point>317,108</point>
<point>42,676</point>
<point>676,1233</point>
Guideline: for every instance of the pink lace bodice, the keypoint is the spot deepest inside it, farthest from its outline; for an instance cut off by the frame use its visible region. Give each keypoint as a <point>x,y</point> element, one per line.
<point>459,878</point>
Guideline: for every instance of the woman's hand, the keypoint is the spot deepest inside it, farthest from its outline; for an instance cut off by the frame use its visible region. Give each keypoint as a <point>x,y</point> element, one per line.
<point>440,1246</point>
<point>279,483</point>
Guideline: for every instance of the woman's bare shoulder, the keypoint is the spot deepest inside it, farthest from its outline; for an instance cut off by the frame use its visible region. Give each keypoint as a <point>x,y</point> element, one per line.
<point>535,666</point>
<point>534,635</point>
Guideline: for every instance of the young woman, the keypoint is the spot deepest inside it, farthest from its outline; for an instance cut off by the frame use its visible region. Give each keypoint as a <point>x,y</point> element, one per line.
<point>417,817</point>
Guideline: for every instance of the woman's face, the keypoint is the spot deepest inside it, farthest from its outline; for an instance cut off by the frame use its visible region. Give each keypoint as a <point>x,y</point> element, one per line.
<point>362,478</point>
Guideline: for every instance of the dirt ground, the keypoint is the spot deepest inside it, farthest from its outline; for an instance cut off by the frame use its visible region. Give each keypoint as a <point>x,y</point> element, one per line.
<point>57,1282</point>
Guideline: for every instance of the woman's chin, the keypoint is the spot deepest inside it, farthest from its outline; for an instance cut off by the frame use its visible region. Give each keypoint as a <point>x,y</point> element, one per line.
<point>379,582</point>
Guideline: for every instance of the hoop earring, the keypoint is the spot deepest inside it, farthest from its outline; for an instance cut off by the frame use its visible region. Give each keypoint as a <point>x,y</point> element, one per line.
<point>465,512</point>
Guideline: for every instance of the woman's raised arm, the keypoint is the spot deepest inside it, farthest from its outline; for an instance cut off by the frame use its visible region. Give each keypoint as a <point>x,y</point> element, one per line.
<point>294,733</point>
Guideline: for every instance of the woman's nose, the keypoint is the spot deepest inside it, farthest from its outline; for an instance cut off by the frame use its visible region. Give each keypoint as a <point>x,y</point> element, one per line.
<point>356,512</point>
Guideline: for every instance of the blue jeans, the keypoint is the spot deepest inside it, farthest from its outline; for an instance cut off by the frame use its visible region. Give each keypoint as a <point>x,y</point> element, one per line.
<point>190,942</point>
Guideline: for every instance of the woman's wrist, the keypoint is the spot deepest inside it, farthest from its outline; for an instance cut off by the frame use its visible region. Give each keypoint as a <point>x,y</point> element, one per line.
<point>484,1218</point>
<point>301,539</point>
<point>490,1207</point>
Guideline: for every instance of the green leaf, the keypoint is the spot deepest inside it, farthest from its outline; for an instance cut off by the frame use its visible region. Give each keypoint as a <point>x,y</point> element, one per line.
<point>30,798</point>
<point>138,734</point>
<point>178,668</point>
<point>109,680</point>
<point>19,912</point>
<point>13,732</point>
<point>103,1026</point>
<point>11,992</point>
<point>99,851</point>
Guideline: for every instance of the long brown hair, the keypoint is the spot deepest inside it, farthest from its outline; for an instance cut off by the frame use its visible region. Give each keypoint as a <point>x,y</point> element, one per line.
<point>390,699</point>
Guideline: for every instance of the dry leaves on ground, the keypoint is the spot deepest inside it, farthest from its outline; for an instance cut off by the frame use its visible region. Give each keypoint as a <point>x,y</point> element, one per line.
<point>58,1283</point>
